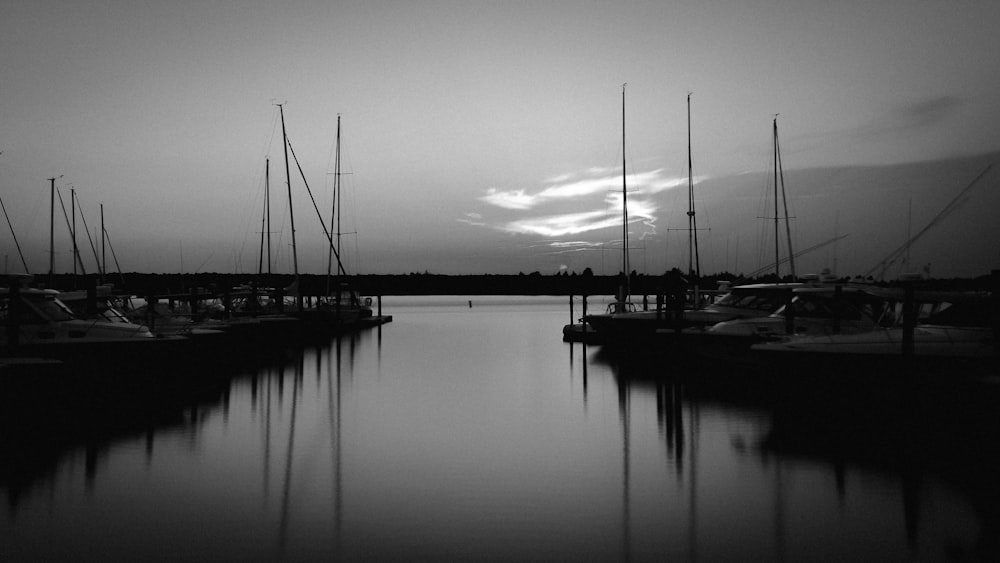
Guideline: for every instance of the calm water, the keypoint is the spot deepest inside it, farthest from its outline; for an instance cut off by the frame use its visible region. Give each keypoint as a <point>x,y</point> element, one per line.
<point>458,433</point>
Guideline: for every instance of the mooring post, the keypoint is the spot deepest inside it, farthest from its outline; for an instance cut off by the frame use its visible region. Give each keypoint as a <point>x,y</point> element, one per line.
<point>91,303</point>
<point>909,320</point>
<point>572,317</point>
<point>193,301</point>
<point>789,314</point>
<point>227,302</point>
<point>150,309</point>
<point>585,315</point>
<point>14,315</point>
<point>995,312</point>
<point>838,292</point>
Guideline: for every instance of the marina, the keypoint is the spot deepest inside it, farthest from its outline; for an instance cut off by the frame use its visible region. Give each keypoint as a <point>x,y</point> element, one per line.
<point>460,432</point>
<point>417,440</point>
<point>500,281</point>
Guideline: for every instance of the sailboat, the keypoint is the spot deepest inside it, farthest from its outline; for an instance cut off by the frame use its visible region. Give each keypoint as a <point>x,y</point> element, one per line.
<point>342,309</point>
<point>622,323</point>
<point>344,301</point>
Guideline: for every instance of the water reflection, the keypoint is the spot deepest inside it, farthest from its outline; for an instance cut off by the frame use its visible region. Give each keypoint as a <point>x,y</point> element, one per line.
<point>858,432</point>
<point>465,434</point>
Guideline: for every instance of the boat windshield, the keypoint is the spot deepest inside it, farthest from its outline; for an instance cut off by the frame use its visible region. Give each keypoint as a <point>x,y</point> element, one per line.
<point>39,308</point>
<point>766,301</point>
<point>822,307</point>
<point>848,306</point>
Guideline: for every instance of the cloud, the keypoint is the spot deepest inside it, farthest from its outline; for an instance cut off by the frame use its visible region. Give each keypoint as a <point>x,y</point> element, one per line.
<point>927,112</point>
<point>474,219</point>
<point>575,204</point>
<point>562,225</point>
<point>581,244</point>
<point>509,199</point>
<point>561,187</point>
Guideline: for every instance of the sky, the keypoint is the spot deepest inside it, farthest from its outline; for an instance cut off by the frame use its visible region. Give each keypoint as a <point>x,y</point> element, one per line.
<point>486,137</point>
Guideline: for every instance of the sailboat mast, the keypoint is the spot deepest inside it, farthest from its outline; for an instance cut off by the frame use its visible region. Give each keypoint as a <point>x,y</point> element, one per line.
<point>784,201</point>
<point>104,258</point>
<point>263,225</point>
<point>335,210</point>
<point>777,255</point>
<point>72,206</point>
<point>291,213</point>
<point>265,220</point>
<point>52,227</point>
<point>694,262</point>
<point>338,190</point>
<point>625,269</point>
<point>267,203</point>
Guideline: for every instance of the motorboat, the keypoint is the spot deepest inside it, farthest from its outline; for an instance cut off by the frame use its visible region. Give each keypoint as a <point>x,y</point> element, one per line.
<point>950,333</point>
<point>740,302</point>
<point>39,325</point>
<point>37,316</point>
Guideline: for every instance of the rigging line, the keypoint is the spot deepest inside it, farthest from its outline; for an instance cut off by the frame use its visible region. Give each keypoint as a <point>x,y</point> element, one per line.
<point>329,237</point>
<point>93,248</point>
<point>76,255</point>
<point>205,261</point>
<point>17,244</point>
<point>694,259</point>
<point>764,201</point>
<point>948,209</point>
<point>115,257</point>
<point>760,271</point>
<point>784,200</point>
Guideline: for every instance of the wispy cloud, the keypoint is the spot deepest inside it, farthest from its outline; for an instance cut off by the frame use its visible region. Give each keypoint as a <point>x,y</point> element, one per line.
<point>562,225</point>
<point>575,244</point>
<point>900,119</point>
<point>474,219</point>
<point>578,203</point>
<point>509,199</point>
<point>571,186</point>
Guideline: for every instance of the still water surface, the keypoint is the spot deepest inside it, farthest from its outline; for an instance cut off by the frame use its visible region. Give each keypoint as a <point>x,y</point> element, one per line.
<point>458,433</point>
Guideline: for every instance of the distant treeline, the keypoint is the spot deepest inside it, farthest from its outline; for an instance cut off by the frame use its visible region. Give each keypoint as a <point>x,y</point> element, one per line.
<point>436,284</point>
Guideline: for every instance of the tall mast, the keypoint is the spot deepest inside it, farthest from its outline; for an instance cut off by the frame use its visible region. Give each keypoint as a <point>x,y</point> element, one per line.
<point>265,220</point>
<point>337,189</point>
<point>777,256</point>
<point>52,227</point>
<point>104,261</point>
<point>267,203</point>
<point>72,206</point>
<point>694,262</point>
<point>624,202</point>
<point>291,213</point>
<point>335,212</point>
<point>263,224</point>
<point>784,201</point>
